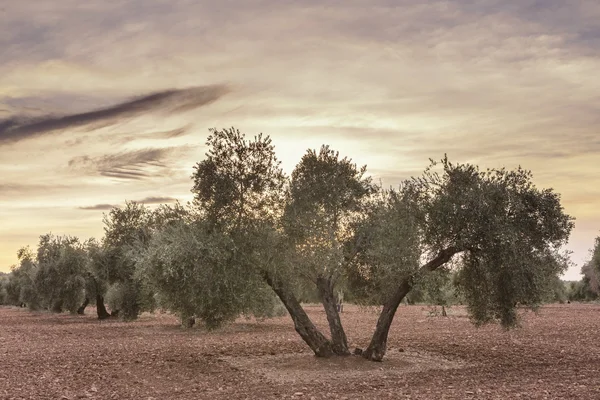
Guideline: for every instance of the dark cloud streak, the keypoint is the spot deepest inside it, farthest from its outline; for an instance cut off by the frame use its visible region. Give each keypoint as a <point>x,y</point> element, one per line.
<point>99,207</point>
<point>145,200</point>
<point>157,200</point>
<point>16,128</point>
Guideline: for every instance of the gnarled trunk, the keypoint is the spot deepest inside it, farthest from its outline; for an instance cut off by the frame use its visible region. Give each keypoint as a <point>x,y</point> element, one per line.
<point>378,345</point>
<point>302,323</point>
<point>101,308</point>
<point>338,336</point>
<point>81,309</point>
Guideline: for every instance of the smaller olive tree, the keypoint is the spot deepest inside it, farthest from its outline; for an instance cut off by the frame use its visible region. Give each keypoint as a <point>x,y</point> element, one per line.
<point>194,272</point>
<point>4,278</point>
<point>126,230</point>
<point>60,278</point>
<point>21,287</point>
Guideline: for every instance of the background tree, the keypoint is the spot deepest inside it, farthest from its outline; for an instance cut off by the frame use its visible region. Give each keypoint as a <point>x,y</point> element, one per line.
<point>21,287</point>
<point>591,269</point>
<point>60,277</point>
<point>99,264</point>
<point>190,270</point>
<point>4,278</point>
<point>125,231</point>
<point>588,288</point>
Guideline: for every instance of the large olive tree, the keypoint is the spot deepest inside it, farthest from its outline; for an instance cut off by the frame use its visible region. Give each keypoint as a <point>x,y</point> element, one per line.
<point>500,232</point>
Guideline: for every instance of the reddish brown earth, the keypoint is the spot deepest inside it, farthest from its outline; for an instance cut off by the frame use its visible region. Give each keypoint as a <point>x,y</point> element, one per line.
<point>555,355</point>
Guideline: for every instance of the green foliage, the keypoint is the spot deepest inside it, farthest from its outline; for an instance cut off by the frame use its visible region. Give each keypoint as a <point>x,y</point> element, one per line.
<point>239,181</point>
<point>97,269</point>
<point>327,195</point>
<point>557,292</point>
<point>127,231</point>
<point>389,245</point>
<point>60,278</point>
<point>510,233</point>
<point>4,281</point>
<point>195,273</point>
<point>21,287</point>
<point>115,296</point>
<point>239,192</point>
<point>581,291</point>
<point>129,298</point>
<point>594,262</point>
<point>588,289</point>
<point>439,288</point>
<point>506,232</point>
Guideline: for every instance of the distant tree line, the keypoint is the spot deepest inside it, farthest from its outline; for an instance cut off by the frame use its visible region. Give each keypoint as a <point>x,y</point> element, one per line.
<point>588,288</point>
<point>257,242</point>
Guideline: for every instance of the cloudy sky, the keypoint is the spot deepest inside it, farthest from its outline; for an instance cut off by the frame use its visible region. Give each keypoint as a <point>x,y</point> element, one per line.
<point>103,101</point>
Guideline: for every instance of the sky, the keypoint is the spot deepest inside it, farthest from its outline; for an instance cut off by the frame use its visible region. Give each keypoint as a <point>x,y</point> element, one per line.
<point>106,101</point>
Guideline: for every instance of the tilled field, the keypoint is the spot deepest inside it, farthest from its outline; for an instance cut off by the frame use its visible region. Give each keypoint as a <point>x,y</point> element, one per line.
<point>555,355</point>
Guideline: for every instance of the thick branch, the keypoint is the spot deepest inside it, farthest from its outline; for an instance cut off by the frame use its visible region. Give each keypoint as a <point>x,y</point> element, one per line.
<point>302,323</point>
<point>378,345</point>
<point>338,336</point>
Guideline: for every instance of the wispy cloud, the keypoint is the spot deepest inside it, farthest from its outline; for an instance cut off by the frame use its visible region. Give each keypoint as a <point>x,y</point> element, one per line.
<point>99,207</point>
<point>17,128</point>
<point>145,200</point>
<point>128,137</point>
<point>136,164</point>
<point>16,190</point>
<point>157,200</point>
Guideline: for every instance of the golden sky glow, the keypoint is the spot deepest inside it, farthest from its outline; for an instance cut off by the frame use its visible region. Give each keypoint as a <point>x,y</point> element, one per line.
<point>389,83</point>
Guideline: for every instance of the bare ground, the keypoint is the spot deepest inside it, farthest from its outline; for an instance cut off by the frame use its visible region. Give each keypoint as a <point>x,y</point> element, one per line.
<point>555,355</point>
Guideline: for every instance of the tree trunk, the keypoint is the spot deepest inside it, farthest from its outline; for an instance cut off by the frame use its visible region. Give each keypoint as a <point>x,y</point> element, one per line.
<point>378,345</point>
<point>81,310</point>
<point>338,336</point>
<point>302,323</point>
<point>57,306</point>
<point>188,322</point>
<point>101,308</point>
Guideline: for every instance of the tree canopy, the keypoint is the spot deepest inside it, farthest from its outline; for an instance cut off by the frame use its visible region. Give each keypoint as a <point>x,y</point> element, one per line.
<point>255,241</point>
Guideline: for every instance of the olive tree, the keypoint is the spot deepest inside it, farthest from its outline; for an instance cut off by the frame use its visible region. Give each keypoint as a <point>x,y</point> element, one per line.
<point>4,278</point>
<point>591,269</point>
<point>191,271</point>
<point>239,190</point>
<point>588,288</point>
<point>99,264</point>
<point>500,232</point>
<point>125,231</point>
<point>60,278</point>
<point>20,287</point>
<point>326,195</point>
